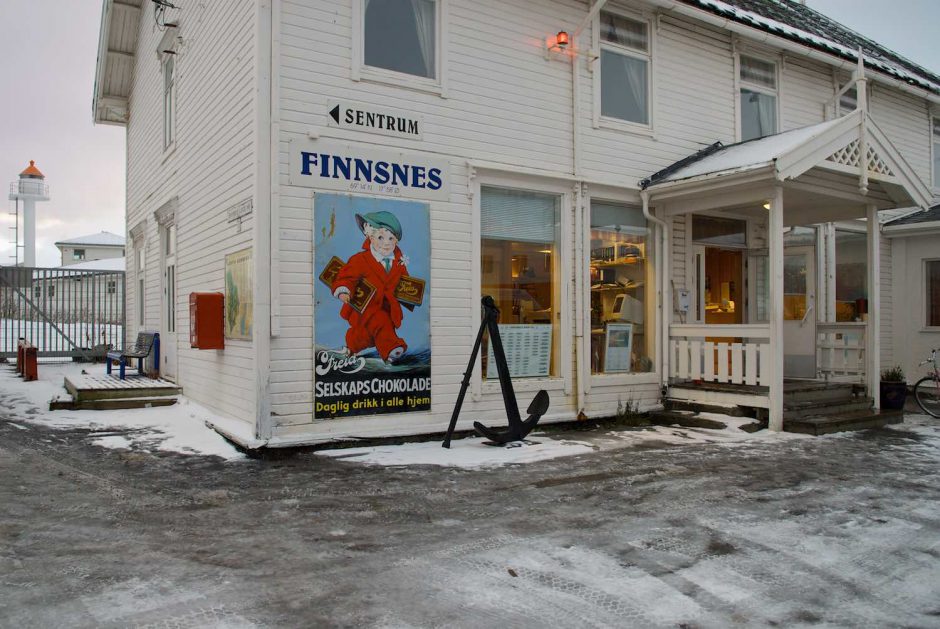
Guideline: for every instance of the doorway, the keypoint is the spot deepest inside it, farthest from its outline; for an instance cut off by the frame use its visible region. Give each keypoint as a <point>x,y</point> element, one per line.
<point>719,285</point>
<point>799,312</point>
<point>168,306</point>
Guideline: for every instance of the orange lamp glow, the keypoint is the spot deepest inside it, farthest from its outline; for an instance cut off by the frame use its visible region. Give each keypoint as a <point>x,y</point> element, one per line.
<point>561,39</point>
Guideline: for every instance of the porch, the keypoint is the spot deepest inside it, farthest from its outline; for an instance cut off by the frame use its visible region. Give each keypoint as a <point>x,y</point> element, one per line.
<point>742,340</point>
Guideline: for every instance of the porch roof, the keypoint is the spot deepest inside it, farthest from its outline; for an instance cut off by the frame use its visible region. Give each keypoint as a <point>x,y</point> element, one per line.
<point>850,146</point>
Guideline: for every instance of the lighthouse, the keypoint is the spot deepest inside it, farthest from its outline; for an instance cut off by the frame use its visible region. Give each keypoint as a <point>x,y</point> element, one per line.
<point>30,188</point>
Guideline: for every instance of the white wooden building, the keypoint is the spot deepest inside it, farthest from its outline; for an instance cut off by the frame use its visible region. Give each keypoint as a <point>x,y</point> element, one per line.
<point>579,184</point>
<point>101,246</point>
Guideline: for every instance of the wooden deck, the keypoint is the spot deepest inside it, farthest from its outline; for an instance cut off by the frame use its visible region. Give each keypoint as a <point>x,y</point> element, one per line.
<point>93,387</point>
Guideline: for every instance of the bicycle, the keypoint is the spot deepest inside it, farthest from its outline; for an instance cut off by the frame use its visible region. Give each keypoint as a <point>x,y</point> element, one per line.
<point>927,389</point>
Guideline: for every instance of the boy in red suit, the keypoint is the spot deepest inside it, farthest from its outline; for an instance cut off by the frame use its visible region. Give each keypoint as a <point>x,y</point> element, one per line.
<point>382,265</point>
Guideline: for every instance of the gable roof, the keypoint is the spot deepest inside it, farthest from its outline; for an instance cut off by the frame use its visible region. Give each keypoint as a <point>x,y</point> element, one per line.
<point>718,159</point>
<point>101,239</point>
<point>799,23</point>
<point>834,144</point>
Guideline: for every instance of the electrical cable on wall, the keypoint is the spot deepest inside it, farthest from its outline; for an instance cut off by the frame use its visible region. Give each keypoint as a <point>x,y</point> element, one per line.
<point>159,13</point>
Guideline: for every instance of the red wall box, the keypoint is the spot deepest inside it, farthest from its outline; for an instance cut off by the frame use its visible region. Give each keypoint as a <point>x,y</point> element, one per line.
<point>207,320</point>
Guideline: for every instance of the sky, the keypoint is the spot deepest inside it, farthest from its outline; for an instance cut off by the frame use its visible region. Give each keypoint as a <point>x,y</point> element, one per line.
<point>49,48</point>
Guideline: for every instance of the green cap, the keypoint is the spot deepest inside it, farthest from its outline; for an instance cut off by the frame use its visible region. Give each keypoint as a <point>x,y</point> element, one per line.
<point>380,219</point>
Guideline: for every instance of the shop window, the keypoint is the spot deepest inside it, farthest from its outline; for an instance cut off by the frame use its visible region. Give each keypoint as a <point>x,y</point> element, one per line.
<point>625,69</point>
<point>401,35</point>
<point>758,102</point>
<point>933,293</point>
<point>78,254</point>
<point>620,274</point>
<point>520,270</point>
<point>851,276</point>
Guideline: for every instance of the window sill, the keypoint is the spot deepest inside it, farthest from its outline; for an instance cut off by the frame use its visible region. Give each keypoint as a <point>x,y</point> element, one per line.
<point>398,79</point>
<point>620,379</point>
<point>623,126</point>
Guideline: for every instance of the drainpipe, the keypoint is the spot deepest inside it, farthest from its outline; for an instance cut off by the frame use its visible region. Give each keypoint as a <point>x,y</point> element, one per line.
<point>665,298</point>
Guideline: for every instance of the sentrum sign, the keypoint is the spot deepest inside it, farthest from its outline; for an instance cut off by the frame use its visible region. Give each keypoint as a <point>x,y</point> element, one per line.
<point>347,115</point>
<point>350,168</point>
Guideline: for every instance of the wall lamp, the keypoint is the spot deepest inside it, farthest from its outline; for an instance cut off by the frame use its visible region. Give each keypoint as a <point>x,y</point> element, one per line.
<point>560,43</point>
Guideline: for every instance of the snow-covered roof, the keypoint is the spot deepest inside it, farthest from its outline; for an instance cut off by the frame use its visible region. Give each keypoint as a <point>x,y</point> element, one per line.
<point>108,264</point>
<point>797,22</point>
<point>101,239</point>
<point>719,159</point>
<point>927,216</point>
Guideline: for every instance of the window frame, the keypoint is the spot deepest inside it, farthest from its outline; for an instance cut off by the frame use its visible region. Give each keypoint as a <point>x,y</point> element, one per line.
<point>609,122</point>
<point>926,288</point>
<point>362,72</point>
<point>169,96</point>
<point>653,318</point>
<point>78,254</point>
<point>540,185</point>
<point>739,85</point>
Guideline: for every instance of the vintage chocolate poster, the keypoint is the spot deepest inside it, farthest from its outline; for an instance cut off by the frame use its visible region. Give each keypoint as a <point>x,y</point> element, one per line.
<point>372,334</point>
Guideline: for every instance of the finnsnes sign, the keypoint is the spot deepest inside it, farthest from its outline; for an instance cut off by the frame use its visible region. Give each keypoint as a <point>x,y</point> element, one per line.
<point>347,115</point>
<point>364,170</point>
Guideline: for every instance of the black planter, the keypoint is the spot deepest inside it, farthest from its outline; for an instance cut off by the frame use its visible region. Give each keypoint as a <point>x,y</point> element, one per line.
<point>893,395</point>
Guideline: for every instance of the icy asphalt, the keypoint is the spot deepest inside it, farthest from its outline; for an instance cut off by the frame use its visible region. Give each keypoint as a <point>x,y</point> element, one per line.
<point>833,531</point>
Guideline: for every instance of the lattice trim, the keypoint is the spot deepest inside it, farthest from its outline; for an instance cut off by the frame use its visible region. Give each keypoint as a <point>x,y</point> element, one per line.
<point>877,165</point>
<point>847,156</point>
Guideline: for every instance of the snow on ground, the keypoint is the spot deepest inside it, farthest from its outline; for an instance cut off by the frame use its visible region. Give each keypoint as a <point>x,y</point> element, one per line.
<point>178,428</point>
<point>181,428</point>
<point>473,453</point>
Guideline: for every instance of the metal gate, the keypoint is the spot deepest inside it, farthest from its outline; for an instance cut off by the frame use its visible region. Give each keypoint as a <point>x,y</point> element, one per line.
<point>63,312</point>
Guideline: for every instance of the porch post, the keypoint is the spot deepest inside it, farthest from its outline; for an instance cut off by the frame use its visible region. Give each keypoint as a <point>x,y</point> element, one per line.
<point>873,331</point>
<point>775,362</point>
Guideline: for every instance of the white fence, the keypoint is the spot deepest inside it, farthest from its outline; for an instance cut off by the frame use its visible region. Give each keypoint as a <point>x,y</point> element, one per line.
<point>735,354</point>
<point>840,351</point>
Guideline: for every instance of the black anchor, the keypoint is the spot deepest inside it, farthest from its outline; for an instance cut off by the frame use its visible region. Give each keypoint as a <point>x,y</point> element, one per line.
<point>517,429</point>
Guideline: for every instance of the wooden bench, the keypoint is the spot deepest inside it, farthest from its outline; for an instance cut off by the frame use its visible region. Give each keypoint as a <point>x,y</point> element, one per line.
<point>26,360</point>
<point>147,342</point>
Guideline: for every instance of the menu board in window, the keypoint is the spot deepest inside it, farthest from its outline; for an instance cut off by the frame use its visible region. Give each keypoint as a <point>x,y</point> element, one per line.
<point>619,341</point>
<point>528,350</point>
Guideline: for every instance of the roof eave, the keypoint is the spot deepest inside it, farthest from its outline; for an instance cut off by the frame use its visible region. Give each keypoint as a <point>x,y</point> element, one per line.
<point>746,174</point>
<point>928,228</point>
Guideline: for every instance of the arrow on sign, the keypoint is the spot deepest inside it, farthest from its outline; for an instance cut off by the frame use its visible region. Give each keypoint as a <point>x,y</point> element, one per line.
<point>335,113</point>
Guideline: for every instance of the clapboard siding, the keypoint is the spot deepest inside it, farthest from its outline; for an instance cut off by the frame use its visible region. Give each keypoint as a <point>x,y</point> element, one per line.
<point>887,304</point>
<point>209,170</point>
<point>502,103</point>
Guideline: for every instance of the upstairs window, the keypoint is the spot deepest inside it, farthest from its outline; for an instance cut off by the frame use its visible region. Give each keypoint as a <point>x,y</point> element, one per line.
<point>758,81</point>
<point>935,125</point>
<point>625,69</point>
<point>169,101</point>
<point>78,254</point>
<point>401,36</point>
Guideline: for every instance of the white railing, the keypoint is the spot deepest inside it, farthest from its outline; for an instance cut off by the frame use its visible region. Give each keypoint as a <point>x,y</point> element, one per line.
<point>30,187</point>
<point>735,354</point>
<point>840,351</point>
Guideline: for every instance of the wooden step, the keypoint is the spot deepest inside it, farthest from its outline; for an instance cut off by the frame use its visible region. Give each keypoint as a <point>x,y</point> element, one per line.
<point>816,408</point>
<point>855,420</point>
<point>88,387</point>
<point>70,404</point>
<point>687,419</point>
<point>798,393</point>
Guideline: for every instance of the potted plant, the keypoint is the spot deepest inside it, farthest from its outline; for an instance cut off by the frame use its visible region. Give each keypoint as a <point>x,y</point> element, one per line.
<point>893,388</point>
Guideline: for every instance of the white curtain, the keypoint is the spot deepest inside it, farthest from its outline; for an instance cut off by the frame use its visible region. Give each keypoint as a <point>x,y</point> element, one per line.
<point>623,87</point>
<point>424,19</point>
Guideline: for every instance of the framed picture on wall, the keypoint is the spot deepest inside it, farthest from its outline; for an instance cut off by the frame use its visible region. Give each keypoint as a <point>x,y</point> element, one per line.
<point>618,347</point>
